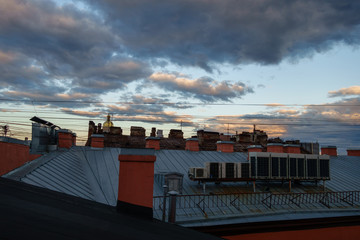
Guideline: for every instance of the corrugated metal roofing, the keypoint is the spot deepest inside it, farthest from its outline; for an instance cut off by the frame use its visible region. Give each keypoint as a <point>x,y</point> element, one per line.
<point>93,174</point>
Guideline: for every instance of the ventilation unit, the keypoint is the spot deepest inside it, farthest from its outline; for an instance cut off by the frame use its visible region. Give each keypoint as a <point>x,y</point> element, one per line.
<point>243,170</point>
<point>297,166</point>
<point>197,172</point>
<point>279,162</point>
<point>213,169</point>
<point>229,170</point>
<point>324,167</point>
<point>260,165</point>
<point>312,166</point>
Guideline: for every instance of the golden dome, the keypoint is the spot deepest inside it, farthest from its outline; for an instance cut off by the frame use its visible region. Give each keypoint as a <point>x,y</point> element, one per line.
<point>107,124</point>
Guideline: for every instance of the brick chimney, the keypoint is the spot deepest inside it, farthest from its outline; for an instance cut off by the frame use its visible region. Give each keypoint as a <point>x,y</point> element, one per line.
<point>225,146</point>
<point>275,147</point>
<point>254,148</point>
<point>329,150</point>
<point>153,142</point>
<point>192,144</point>
<point>353,151</point>
<point>292,148</point>
<point>64,138</point>
<point>136,182</point>
<point>97,141</point>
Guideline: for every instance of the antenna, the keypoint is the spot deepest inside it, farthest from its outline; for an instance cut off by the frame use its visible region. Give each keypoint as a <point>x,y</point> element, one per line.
<point>228,129</point>
<point>5,129</point>
<point>181,125</point>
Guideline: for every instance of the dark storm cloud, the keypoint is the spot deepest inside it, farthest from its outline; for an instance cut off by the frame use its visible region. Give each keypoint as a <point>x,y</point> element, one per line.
<point>42,42</point>
<point>204,32</point>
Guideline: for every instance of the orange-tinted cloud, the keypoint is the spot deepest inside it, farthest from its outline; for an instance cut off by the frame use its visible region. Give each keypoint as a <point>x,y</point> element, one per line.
<point>353,90</point>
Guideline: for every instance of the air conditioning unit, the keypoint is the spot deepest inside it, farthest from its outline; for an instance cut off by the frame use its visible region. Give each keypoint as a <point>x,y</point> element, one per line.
<point>296,166</point>
<point>260,165</point>
<point>312,166</point>
<point>197,172</point>
<point>213,169</point>
<point>229,170</point>
<point>279,168</point>
<point>243,170</point>
<point>324,167</point>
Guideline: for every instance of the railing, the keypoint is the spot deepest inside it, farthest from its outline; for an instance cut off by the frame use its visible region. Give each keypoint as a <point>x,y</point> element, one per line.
<point>215,205</point>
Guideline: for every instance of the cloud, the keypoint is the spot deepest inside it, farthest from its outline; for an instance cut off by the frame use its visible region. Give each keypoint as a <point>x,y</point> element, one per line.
<point>137,108</point>
<point>81,113</point>
<point>42,43</point>
<point>205,88</point>
<point>353,90</point>
<point>52,99</point>
<point>203,33</point>
<point>274,105</point>
<point>287,111</point>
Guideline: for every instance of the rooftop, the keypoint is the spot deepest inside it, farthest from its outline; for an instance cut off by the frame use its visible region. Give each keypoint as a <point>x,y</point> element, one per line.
<point>36,213</point>
<point>93,174</point>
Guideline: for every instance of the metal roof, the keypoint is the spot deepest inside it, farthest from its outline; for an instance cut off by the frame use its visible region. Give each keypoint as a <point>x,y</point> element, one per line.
<point>14,140</point>
<point>93,174</point>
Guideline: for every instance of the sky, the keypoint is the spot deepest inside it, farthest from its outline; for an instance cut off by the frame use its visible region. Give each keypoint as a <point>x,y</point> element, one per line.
<point>290,67</point>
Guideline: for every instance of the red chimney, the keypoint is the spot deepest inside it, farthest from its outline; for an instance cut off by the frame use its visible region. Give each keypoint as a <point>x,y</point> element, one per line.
<point>254,148</point>
<point>64,138</point>
<point>153,142</point>
<point>329,150</point>
<point>292,148</point>
<point>192,144</point>
<point>97,141</point>
<point>275,147</point>
<point>353,152</point>
<point>225,146</point>
<point>136,182</point>
<point>14,153</point>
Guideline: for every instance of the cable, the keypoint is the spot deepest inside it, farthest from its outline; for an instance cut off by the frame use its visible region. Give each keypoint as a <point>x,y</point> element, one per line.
<point>185,104</point>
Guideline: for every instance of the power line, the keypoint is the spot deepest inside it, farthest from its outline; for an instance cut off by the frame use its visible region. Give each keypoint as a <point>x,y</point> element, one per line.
<point>180,104</point>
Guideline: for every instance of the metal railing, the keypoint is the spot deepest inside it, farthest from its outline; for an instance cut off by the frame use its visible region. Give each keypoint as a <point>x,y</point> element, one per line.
<point>206,205</point>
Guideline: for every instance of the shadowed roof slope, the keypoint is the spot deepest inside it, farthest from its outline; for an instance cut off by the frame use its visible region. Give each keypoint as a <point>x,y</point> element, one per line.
<point>36,213</point>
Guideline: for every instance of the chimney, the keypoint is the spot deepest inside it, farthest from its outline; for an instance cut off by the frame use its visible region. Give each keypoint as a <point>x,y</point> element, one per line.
<point>192,144</point>
<point>292,148</point>
<point>74,139</point>
<point>275,147</point>
<point>64,138</point>
<point>159,133</point>
<point>353,151</point>
<point>254,148</point>
<point>153,132</point>
<point>136,182</point>
<point>97,141</point>
<point>153,142</point>
<point>329,150</point>
<point>225,146</point>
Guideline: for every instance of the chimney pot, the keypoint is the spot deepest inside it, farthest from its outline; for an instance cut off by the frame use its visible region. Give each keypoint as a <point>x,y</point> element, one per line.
<point>225,146</point>
<point>292,148</point>
<point>64,138</point>
<point>329,150</point>
<point>353,151</point>
<point>275,147</point>
<point>97,141</point>
<point>136,182</point>
<point>192,144</point>
<point>153,142</point>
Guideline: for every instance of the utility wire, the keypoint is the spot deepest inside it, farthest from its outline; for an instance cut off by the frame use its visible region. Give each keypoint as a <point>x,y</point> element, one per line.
<point>185,104</point>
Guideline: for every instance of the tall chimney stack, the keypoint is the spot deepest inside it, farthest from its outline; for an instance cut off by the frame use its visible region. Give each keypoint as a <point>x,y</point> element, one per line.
<point>136,182</point>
